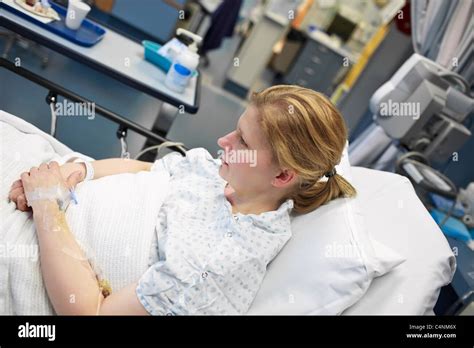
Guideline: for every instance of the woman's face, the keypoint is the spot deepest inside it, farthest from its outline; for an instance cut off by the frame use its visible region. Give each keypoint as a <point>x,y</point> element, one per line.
<point>246,156</point>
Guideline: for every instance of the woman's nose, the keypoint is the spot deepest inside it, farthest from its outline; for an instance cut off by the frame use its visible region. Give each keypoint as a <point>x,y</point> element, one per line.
<point>224,142</point>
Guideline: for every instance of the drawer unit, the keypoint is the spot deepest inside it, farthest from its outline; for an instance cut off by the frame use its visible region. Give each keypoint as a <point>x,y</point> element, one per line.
<point>315,68</point>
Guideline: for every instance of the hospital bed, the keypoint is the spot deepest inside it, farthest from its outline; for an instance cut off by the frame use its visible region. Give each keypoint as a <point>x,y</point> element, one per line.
<point>394,216</point>
<point>392,211</point>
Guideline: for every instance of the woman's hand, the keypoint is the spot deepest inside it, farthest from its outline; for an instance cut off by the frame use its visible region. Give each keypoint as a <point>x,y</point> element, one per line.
<point>70,173</point>
<point>44,177</point>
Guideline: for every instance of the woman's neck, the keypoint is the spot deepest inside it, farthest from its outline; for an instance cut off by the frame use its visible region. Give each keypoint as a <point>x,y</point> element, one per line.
<point>249,205</point>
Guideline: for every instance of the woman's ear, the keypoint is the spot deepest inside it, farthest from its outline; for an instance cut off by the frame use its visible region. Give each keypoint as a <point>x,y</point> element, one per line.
<point>285,178</point>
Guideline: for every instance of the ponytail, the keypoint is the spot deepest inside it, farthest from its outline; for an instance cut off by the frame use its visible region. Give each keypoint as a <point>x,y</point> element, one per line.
<point>310,197</point>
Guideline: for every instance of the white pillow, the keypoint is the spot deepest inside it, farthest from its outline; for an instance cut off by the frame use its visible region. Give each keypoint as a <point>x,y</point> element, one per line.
<point>328,264</point>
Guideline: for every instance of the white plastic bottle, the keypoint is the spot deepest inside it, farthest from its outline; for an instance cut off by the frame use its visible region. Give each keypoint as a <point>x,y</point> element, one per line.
<point>189,57</point>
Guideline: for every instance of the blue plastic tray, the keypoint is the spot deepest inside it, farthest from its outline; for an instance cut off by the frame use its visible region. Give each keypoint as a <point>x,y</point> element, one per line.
<point>152,55</point>
<point>88,34</point>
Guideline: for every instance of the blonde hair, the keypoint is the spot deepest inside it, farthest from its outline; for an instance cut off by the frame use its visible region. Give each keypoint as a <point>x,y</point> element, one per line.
<point>306,134</point>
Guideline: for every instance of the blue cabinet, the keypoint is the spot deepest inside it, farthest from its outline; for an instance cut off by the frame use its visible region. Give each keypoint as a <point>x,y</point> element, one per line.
<point>316,67</point>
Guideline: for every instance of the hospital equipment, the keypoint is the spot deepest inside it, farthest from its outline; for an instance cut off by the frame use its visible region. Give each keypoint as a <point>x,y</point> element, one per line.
<point>435,189</point>
<point>426,179</point>
<point>439,194</point>
<point>466,197</point>
<point>422,112</point>
<point>452,227</point>
<point>430,111</point>
<point>444,204</point>
<point>56,90</point>
<point>441,31</point>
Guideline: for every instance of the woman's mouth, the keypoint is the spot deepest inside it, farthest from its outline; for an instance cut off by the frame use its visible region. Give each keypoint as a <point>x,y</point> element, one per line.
<point>224,161</point>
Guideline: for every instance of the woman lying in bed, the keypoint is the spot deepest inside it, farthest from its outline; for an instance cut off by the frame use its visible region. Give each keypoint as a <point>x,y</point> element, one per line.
<point>222,222</point>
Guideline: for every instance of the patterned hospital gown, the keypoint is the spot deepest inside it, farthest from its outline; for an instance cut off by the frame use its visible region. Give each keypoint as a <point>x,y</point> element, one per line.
<point>205,259</point>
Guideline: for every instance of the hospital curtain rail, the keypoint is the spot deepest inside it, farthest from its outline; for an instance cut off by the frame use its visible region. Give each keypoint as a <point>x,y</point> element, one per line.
<point>54,89</point>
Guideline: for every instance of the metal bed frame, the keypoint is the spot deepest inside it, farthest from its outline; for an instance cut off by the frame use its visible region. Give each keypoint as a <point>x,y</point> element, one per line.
<point>55,90</point>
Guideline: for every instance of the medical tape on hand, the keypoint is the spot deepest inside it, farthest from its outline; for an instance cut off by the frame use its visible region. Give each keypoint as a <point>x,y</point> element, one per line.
<point>55,193</point>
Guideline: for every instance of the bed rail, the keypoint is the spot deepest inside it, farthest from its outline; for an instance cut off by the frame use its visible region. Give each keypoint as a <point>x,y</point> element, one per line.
<point>55,90</point>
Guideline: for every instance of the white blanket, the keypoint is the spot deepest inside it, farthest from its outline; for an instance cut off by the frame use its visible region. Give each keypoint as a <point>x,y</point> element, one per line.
<point>114,227</point>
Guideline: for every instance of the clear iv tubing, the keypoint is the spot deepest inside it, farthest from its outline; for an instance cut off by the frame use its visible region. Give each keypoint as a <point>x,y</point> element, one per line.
<point>54,193</point>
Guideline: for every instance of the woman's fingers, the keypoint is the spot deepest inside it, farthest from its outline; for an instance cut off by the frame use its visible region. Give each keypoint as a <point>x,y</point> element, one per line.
<point>13,195</point>
<point>22,203</point>
<point>17,183</point>
<point>54,165</point>
<point>45,176</point>
<point>25,177</point>
<point>17,194</point>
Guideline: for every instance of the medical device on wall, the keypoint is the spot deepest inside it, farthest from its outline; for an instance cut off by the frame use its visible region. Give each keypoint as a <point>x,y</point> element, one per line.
<point>423,112</point>
<point>421,109</point>
<point>466,197</point>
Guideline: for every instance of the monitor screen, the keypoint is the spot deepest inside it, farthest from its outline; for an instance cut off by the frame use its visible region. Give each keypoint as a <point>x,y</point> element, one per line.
<point>342,27</point>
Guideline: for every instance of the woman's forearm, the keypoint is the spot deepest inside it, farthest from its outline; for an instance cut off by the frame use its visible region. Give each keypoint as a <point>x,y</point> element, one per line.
<point>114,166</point>
<point>106,167</point>
<point>71,283</point>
